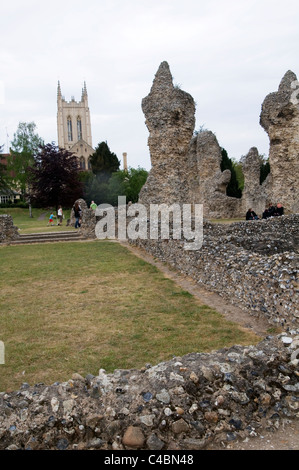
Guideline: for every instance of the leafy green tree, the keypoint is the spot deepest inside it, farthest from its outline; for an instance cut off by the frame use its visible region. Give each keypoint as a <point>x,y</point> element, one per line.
<point>121,183</point>
<point>55,177</point>
<point>239,174</point>
<point>24,146</point>
<point>126,183</point>
<point>264,168</point>
<point>104,162</point>
<point>133,182</point>
<point>4,178</point>
<point>233,189</point>
<point>116,186</point>
<point>93,190</point>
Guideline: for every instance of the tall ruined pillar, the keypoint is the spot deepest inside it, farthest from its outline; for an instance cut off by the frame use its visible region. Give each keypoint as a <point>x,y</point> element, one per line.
<point>208,183</point>
<point>170,119</point>
<point>280,119</point>
<point>253,196</point>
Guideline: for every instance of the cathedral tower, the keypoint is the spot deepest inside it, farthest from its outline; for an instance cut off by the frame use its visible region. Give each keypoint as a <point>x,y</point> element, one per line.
<point>74,127</point>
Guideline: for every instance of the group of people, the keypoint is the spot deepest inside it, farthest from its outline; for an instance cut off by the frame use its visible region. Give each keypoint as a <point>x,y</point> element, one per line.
<point>77,213</point>
<point>59,217</point>
<point>273,211</point>
<point>270,211</point>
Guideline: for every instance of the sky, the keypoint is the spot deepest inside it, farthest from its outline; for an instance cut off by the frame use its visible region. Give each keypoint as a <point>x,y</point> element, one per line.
<point>229,55</point>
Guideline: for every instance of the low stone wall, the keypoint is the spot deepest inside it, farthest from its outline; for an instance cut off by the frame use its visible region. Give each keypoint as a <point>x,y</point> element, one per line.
<point>253,264</point>
<point>187,403</point>
<point>193,402</point>
<point>8,231</point>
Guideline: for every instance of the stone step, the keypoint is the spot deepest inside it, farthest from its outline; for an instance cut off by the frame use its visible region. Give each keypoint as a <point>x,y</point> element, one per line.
<point>70,233</point>
<point>46,237</point>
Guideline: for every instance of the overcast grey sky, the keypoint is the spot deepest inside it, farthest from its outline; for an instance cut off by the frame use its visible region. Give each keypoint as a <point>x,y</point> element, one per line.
<point>227,54</point>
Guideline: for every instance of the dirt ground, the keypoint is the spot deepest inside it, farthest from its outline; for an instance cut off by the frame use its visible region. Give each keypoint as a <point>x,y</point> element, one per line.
<point>287,436</point>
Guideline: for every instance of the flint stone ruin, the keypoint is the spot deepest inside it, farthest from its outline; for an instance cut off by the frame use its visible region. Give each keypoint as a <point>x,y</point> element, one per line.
<point>280,119</point>
<point>170,118</point>
<point>198,401</point>
<point>186,168</point>
<point>8,231</point>
<point>193,402</point>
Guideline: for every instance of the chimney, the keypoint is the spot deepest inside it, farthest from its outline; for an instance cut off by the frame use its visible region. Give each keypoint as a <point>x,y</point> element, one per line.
<point>125,161</point>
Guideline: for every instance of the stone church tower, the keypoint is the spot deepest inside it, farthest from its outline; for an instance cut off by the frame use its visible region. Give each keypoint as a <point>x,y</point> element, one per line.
<point>74,127</point>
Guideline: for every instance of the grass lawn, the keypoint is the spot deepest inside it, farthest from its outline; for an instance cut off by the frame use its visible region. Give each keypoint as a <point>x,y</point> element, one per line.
<point>78,307</point>
<point>37,223</point>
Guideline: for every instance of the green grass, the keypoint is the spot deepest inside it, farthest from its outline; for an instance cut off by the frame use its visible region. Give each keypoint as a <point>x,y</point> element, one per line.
<point>79,307</point>
<point>37,223</point>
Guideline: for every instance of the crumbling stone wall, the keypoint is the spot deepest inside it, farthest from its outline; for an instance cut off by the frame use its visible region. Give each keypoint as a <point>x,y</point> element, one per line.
<point>280,119</point>
<point>187,403</point>
<point>252,264</point>
<point>207,183</point>
<point>169,113</point>
<point>255,195</point>
<point>186,169</point>
<point>8,231</point>
<point>88,220</point>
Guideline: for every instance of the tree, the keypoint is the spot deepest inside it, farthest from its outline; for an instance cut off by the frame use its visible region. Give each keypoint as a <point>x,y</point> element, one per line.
<point>121,183</point>
<point>95,190</point>
<point>239,173</point>
<point>134,181</point>
<point>24,146</point>
<point>4,179</point>
<point>126,183</point>
<point>55,177</point>
<point>104,162</point>
<point>233,189</point>
<point>264,168</point>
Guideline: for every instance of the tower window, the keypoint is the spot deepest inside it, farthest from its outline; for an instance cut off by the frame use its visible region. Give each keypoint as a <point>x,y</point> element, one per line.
<point>79,128</point>
<point>69,129</point>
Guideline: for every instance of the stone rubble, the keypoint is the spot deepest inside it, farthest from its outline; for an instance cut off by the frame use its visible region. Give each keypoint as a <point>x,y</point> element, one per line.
<point>8,231</point>
<point>187,403</point>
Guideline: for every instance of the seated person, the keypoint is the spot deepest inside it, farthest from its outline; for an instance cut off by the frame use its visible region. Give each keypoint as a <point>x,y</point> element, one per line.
<point>266,213</point>
<point>279,210</point>
<point>269,211</point>
<point>251,215</point>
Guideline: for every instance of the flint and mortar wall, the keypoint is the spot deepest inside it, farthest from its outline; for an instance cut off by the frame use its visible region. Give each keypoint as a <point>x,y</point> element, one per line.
<point>193,402</point>
<point>188,403</point>
<point>8,231</point>
<point>253,264</point>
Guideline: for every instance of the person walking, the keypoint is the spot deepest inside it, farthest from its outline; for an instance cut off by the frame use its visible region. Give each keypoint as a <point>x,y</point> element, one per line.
<point>51,219</point>
<point>59,215</point>
<point>77,213</point>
